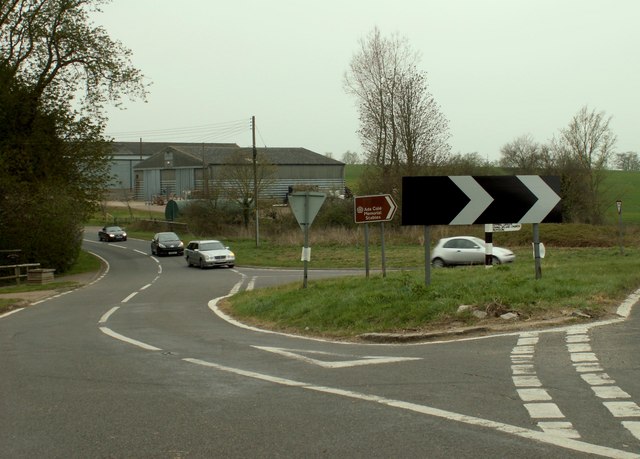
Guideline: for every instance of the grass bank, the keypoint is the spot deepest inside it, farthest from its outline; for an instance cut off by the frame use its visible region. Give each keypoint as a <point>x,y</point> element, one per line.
<point>586,281</point>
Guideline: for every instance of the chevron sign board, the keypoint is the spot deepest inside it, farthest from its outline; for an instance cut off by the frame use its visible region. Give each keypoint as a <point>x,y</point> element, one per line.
<point>469,200</point>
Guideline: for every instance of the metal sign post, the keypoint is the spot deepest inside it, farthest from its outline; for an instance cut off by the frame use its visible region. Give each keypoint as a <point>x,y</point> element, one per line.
<point>305,207</point>
<point>374,209</point>
<point>619,207</point>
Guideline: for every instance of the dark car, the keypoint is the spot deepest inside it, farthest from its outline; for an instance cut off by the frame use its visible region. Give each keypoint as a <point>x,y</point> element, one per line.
<point>166,243</point>
<point>112,233</point>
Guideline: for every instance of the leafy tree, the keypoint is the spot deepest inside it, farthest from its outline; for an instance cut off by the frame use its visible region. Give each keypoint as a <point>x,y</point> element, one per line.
<point>402,129</point>
<point>57,72</point>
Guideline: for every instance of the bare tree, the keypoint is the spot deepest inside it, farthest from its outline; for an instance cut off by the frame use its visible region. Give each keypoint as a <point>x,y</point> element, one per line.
<point>236,179</point>
<point>525,155</point>
<point>628,161</point>
<point>350,157</point>
<point>582,151</point>
<point>401,127</point>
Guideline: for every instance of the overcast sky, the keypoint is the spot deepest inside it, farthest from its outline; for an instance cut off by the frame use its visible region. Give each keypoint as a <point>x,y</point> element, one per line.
<point>498,69</point>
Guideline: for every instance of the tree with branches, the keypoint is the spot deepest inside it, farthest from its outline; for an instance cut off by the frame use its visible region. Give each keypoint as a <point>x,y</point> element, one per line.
<point>402,130</point>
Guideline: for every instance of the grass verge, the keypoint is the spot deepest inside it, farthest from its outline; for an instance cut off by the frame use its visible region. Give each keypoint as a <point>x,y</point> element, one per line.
<point>591,281</point>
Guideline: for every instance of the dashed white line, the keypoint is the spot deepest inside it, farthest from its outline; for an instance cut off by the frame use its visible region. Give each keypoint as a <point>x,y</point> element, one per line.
<point>129,297</point>
<point>538,402</point>
<point>586,363</point>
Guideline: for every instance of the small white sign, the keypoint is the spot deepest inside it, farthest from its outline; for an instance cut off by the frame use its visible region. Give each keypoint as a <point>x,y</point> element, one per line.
<point>499,227</point>
<point>543,251</point>
<point>306,254</point>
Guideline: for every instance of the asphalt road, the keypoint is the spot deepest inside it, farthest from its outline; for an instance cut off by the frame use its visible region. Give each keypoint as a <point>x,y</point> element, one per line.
<point>141,364</point>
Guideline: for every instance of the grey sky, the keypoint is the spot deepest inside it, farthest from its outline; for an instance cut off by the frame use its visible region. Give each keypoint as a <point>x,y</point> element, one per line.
<point>499,69</point>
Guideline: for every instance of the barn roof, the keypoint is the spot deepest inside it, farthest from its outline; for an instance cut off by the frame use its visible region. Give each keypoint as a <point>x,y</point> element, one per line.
<point>150,148</point>
<point>194,156</point>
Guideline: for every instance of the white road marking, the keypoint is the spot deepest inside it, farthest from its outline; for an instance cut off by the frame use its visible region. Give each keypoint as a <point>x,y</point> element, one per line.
<point>543,437</point>
<point>523,369</point>
<point>587,367</point>
<point>609,392</point>
<point>623,409</point>
<point>366,360</point>
<point>252,283</point>
<point>597,379</point>
<point>602,384</point>
<point>145,287</point>
<point>537,400</point>
<point>560,428</point>
<point>579,347</point>
<point>633,427</point>
<point>129,297</point>
<point>625,308</point>
<point>526,381</point>
<point>533,395</point>
<point>10,312</point>
<point>140,252</point>
<point>109,332</point>
<point>106,316</point>
<point>584,357</point>
<point>543,411</point>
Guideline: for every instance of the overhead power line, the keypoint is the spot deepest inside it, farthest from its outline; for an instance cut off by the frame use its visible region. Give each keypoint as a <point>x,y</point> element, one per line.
<point>219,132</point>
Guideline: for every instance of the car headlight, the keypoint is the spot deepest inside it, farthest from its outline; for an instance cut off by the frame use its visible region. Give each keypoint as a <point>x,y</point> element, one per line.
<point>124,234</point>
<point>231,255</point>
<point>181,244</point>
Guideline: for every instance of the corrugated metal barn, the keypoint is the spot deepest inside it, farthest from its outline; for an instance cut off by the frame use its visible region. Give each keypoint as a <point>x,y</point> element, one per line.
<point>177,170</point>
<point>126,155</point>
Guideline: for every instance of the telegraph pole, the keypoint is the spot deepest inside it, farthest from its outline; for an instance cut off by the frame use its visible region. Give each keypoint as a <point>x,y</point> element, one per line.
<point>255,179</point>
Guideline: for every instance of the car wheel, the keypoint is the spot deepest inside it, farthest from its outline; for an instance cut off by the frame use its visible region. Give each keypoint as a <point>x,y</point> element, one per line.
<point>201,264</point>
<point>438,263</point>
<point>153,251</point>
<point>495,260</point>
<point>231,266</point>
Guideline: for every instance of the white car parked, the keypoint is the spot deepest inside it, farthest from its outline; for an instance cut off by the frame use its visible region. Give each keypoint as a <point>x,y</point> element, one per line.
<point>466,250</point>
<point>209,253</point>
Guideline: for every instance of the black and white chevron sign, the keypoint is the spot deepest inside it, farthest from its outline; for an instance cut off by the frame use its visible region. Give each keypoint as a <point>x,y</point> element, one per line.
<point>468,200</point>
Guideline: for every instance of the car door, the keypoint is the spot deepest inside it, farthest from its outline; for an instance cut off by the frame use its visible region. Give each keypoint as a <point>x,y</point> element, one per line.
<point>463,252</point>
<point>192,254</point>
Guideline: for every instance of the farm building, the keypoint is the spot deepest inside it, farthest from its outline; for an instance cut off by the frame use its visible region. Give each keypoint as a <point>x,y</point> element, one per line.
<point>180,171</point>
<point>126,155</point>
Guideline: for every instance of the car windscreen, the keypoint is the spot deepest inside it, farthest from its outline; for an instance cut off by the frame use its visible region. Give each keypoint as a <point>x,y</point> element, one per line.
<point>168,237</point>
<point>113,228</point>
<point>211,246</point>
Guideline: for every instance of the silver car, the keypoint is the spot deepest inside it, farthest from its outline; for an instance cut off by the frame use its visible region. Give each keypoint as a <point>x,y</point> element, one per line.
<point>209,253</point>
<point>466,250</point>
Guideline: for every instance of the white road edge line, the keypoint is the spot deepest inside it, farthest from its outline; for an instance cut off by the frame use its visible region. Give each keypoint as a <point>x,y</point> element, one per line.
<point>566,443</point>
<point>10,312</point>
